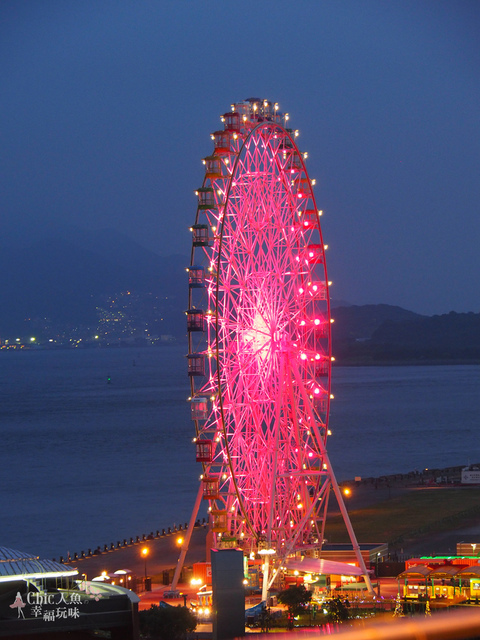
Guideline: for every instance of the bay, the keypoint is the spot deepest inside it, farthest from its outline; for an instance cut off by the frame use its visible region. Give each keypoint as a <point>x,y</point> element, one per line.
<point>96,444</point>
<point>397,419</point>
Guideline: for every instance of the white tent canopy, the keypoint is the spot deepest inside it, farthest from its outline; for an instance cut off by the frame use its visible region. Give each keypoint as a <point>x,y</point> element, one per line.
<point>323,567</point>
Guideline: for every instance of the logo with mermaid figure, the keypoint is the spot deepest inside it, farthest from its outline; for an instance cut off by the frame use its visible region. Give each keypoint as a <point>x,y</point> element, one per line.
<point>19,604</point>
<point>54,606</point>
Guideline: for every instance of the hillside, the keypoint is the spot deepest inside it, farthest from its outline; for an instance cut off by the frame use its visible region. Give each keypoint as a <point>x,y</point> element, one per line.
<point>60,282</point>
<point>78,284</point>
<point>358,323</point>
<point>375,334</point>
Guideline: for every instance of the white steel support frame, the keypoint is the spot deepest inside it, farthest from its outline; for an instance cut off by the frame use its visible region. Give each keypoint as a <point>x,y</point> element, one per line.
<point>186,541</point>
<point>260,343</point>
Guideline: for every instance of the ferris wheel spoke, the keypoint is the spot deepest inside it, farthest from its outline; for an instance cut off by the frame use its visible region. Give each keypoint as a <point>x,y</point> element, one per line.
<point>260,365</point>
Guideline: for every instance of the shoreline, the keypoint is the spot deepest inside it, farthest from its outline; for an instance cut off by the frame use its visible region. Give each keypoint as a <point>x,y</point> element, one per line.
<point>161,559</point>
<point>441,362</point>
<point>340,361</point>
<point>449,475</point>
<point>367,494</point>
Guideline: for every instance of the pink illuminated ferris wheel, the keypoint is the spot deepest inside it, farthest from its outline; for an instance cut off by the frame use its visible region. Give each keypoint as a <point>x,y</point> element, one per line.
<point>258,324</point>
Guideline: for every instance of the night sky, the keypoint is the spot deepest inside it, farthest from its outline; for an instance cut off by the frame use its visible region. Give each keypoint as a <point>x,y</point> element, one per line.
<point>106,110</point>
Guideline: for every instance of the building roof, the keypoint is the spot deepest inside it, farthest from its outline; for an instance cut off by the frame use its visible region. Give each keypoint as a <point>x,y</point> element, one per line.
<point>324,567</point>
<point>447,571</point>
<point>347,546</point>
<point>18,565</point>
<point>470,572</point>
<point>417,571</point>
<point>443,571</point>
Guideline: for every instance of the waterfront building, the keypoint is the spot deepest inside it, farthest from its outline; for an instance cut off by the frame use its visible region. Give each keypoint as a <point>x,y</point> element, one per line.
<point>441,579</point>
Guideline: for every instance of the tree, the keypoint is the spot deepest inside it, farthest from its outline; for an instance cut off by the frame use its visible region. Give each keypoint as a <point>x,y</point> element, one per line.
<point>294,598</point>
<point>337,610</point>
<point>166,622</point>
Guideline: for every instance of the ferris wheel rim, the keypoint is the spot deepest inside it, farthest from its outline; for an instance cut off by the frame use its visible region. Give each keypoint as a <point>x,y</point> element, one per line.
<point>219,253</point>
<point>256,129</point>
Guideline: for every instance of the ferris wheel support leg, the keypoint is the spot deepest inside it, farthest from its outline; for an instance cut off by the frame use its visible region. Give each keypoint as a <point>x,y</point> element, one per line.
<point>348,524</point>
<point>265,584</point>
<point>188,537</point>
<point>338,495</point>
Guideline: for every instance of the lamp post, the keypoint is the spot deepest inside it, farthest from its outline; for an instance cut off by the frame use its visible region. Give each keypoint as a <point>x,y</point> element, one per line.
<point>378,580</point>
<point>145,552</point>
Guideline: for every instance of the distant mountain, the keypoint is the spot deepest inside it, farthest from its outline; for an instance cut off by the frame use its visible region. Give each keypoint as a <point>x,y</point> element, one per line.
<point>60,278</point>
<point>452,336</point>
<point>374,334</point>
<point>77,283</point>
<point>358,323</point>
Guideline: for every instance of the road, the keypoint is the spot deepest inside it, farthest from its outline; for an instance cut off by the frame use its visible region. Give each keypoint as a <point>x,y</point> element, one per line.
<point>163,554</point>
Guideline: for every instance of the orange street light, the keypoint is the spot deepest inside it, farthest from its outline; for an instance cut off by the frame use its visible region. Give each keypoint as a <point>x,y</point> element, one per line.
<point>179,541</point>
<point>145,551</point>
<point>346,492</point>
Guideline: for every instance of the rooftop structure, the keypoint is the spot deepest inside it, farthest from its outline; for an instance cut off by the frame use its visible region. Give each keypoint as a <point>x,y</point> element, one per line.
<point>17,565</point>
<point>40,598</point>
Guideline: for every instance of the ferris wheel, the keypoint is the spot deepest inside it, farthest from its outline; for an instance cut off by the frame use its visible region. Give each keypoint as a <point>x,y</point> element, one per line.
<point>259,333</point>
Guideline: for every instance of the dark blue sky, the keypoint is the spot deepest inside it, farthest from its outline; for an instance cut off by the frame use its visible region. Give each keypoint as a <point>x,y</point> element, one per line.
<point>107,106</point>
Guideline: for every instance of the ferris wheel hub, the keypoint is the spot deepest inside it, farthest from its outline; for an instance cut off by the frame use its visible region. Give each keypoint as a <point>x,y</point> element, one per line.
<point>259,339</point>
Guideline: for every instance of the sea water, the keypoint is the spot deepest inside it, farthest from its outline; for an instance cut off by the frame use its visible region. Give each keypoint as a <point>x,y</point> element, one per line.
<point>96,444</point>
